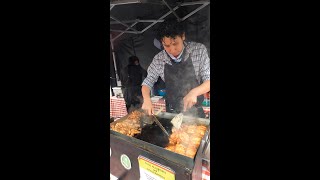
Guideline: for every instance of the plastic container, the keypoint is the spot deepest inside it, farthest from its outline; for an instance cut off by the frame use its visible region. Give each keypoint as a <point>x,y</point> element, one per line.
<point>117,92</point>
<point>155,98</point>
<point>206,102</point>
<point>162,92</point>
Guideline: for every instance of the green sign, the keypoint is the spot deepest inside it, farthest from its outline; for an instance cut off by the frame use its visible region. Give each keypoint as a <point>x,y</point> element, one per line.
<point>125,161</point>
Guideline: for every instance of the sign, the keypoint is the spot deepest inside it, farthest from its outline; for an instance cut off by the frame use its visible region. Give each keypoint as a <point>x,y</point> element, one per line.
<point>125,161</point>
<point>151,170</point>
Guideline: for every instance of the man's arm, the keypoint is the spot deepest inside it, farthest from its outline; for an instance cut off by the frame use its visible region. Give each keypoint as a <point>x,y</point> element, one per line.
<point>147,103</point>
<point>147,84</point>
<point>191,98</point>
<point>204,71</point>
<point>145,92</point>
<point>203,88</point>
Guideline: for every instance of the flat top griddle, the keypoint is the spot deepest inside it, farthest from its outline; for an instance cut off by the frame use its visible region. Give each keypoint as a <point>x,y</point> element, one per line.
<point>158,148</point>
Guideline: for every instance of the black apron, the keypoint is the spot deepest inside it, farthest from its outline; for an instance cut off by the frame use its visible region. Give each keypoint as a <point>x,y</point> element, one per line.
<point>180,79</point>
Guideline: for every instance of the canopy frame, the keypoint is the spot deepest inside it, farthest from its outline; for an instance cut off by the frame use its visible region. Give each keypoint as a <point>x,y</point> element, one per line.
<point>130,29</point>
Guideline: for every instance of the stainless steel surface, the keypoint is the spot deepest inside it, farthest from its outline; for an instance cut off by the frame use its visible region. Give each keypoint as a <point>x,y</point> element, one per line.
<point>160,125</point>
<point>206,147</point>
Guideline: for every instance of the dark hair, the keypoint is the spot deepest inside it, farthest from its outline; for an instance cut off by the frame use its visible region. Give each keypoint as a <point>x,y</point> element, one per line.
<point>132,59</point>
<point>170,28</point>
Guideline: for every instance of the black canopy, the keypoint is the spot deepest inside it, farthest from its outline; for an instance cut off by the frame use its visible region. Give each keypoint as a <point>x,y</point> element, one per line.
<point>133,24</point>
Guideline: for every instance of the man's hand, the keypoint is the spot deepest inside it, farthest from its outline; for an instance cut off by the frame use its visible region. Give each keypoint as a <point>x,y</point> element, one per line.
<point>147,106</point>
<point>189,100</point>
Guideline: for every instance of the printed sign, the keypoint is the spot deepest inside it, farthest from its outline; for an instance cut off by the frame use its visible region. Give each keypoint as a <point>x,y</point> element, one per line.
<point>125,161</point>
<point>151,170</point>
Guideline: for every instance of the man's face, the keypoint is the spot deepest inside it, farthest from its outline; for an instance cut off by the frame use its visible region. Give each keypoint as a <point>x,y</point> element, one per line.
<point>173,46</point>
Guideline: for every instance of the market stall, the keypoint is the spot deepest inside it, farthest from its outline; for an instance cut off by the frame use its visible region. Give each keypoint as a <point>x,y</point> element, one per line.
<point>133,154</point>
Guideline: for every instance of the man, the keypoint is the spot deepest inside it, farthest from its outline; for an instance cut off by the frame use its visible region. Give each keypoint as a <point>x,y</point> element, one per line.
<point>131,78</point>
<point>185,69</point>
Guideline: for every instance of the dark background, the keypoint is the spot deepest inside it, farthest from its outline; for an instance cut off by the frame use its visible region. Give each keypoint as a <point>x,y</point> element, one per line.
<point>55,92</point>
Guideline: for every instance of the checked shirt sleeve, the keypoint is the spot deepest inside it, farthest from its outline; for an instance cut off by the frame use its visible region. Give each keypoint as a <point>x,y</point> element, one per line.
<point>153,72</point>
<point>204,70</point>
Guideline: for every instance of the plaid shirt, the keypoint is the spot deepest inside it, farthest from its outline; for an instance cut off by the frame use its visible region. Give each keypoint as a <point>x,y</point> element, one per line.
<point>200,60</point>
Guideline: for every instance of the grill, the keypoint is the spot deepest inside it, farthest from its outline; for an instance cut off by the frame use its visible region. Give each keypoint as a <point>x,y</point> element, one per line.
<point>184,167</point>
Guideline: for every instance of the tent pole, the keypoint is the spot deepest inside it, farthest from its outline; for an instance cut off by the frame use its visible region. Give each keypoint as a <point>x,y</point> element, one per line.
<point>114,61</point>
<point>132,32</point>
<point>196,10</point>
<point>137,20</point>
<point>122,23</point>
<point>174,13</point>
<point>161,18</point>
<point>123,32</point>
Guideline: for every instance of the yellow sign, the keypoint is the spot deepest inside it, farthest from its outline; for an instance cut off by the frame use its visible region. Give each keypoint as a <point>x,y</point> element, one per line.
<point>153,170</point>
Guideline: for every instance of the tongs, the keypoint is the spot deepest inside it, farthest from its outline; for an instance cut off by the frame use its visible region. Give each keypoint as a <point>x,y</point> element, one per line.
<point>158,122</point>
<point>160,125</point>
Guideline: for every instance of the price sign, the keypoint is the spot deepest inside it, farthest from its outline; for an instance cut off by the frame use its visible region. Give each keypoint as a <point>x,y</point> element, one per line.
<point>151,170</point>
